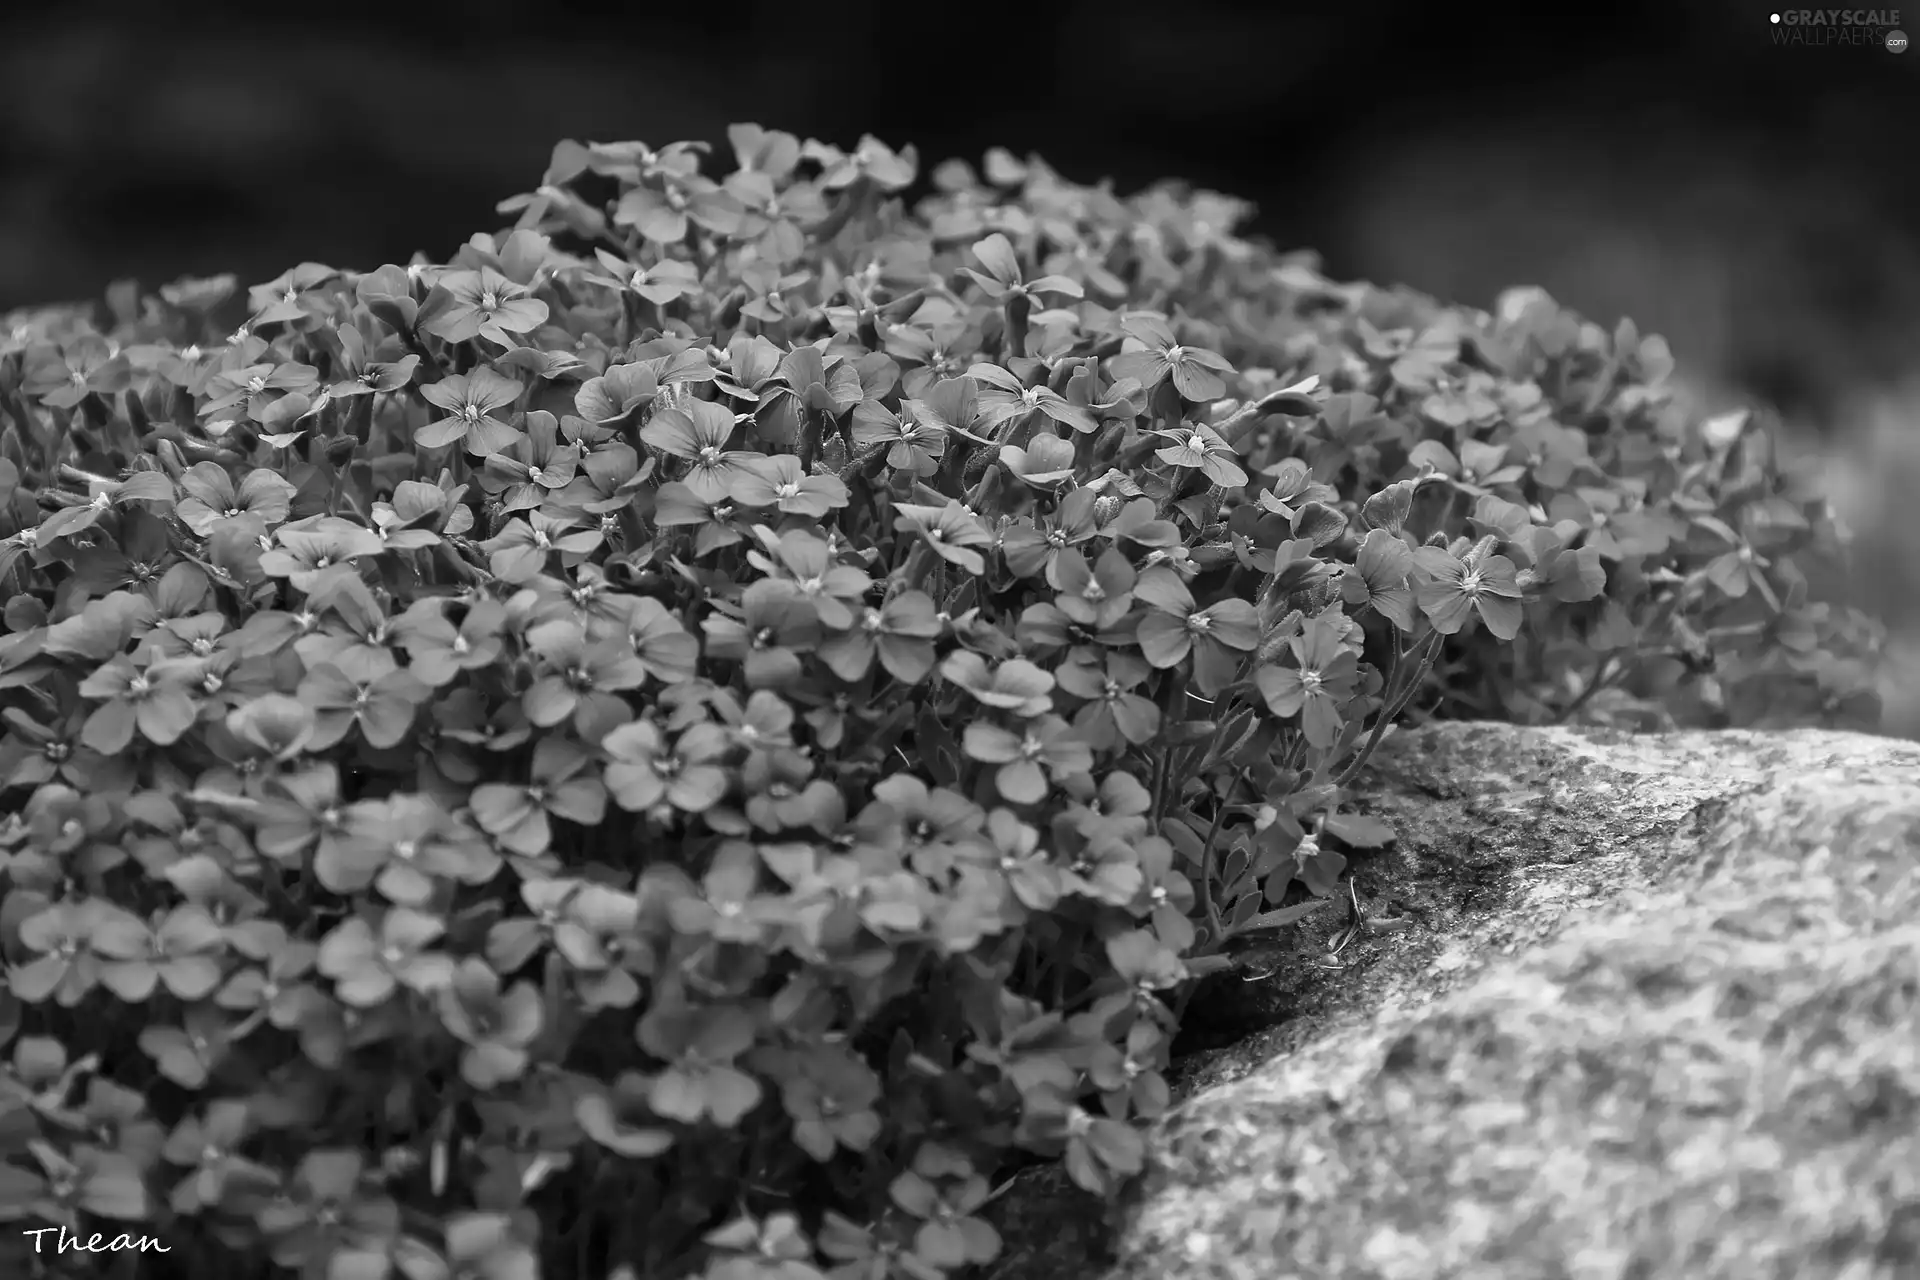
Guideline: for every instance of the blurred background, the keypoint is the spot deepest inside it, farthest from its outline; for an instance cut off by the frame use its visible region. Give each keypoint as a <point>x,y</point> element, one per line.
<point>1745,191</point>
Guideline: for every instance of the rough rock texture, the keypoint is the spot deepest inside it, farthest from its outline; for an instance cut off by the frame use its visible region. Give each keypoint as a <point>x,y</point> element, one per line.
<point>1658,1015</point>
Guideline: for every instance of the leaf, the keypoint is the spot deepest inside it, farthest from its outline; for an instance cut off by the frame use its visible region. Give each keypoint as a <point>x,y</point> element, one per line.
<point>597,1120</point>
<point>1282,917</point>
<point>1319,524</point>
<point>1321,872</point>
<point>1359,831</point>
<point>937,748</point>
<point>1244,910</point>
<point>1232,867</point>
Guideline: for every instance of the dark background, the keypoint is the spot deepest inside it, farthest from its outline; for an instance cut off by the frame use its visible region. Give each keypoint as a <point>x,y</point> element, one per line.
<point>1665,160</point>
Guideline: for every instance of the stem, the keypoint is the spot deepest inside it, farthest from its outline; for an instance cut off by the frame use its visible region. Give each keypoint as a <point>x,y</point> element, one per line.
<point>1245,418</point>
<point>1157,783</point>
<point>1206,862</point>
<point>916,565</point>
<point>1392,704</point>
<point>1601,678</point>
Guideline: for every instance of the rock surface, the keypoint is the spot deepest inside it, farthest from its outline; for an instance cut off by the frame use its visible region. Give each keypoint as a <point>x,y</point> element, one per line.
<point>1656,1015</point>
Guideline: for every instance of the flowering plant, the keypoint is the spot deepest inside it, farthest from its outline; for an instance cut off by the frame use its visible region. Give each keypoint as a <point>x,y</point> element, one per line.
<point>694,737</point>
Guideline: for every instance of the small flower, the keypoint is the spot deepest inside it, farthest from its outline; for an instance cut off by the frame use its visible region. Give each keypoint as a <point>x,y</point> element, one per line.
<point>644,772</point>
<point>525,472</point>
<point>914,445</point>
<point>900,633</point>
<point>1015,685</point>
<point>289,296</point>
<point>1153,355</point>
<point>1324,677</point>
<point>767,632</point>
<point>68,964</point>
<point>1043,749</point>
<point>471,402</point>
<point>209,1146</point>
<point>438,649</point>
<point>211,497</point>
<point>305,549</point>
<point>153,702</point>
<point>496,1026</point>
<point>1035,547</point>
<point>330,1212</point>
<point>485,304</point>
<point>1004,279</point>
<point>1202,447</point>
<point>805,565</point>
<point>1045,463</point>
<point>406,845</point>
<point>367,967</point>
<point>1457,589</point>
<point>1215,636</point>
<point>699,1046</point>
<point>364,689</point>
<point>523,548</point>
<point>1114,712</point>
<point>949,1236</point>
<point>564,784</point>
<point>1378,577</point>
<point>61,1188</point>
<point>778,482</point>
<point>697,431</point>
<point>181,950</point>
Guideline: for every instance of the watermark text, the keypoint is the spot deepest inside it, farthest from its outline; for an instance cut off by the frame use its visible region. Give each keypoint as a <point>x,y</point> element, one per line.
<point>65,1241</point>
<point>1862,28</point>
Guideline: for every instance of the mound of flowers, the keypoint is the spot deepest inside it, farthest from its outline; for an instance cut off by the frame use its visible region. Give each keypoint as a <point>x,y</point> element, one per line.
<point>696,737</point>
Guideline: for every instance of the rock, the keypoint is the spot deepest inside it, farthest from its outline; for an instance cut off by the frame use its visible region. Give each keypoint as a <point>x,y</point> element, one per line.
<point>1658,1017</point>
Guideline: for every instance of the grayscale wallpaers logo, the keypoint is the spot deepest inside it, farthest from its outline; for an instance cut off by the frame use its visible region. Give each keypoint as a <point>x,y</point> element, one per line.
<point>1861,28</point>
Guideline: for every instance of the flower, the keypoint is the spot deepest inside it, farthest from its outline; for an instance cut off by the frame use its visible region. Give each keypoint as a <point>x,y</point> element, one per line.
<point>362,689</point>
<point>406,846</point>
<point>778,482</point>
<point>330,1212</point>
<point>1034,548</point>
<point>1457,589</point>
<point>565,783</point>
<point>1015,685</point>
<point>1202,447</point>
<point>1004,279</point>
<point>471,402</point>
<point>484,304</point>
<point>1215,636</point>
<point>697,431</point>
<point>1113,712</point>
<point>211,497</point>
<point>153,701</point>
<point>699,1046</point>
<point>643,771</point>
<point>1324,676</point>
<point>1153,355</point>
<point>914,444</point>
<point>949,1235</point>
<point>900,634</point>
<point>1379,578</point>
<point>305,549</point>
<point>526,471</point>
<point>368,966</point>
<point>87,1180</point>
<point>495,1025</point>
<point>1046,748</point>
<point>580,679</point>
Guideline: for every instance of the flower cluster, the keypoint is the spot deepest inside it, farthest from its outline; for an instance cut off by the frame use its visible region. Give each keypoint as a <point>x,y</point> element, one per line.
<point>694,736</point>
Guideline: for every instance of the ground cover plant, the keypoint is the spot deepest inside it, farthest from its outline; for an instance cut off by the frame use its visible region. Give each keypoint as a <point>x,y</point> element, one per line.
<point>697,736</point>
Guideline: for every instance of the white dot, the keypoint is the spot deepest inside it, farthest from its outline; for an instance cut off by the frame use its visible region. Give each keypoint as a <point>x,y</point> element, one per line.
<point>1774,18</point>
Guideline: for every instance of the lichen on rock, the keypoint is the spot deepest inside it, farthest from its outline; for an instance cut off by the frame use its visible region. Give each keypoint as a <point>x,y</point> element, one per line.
<point>1673,1030</point>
